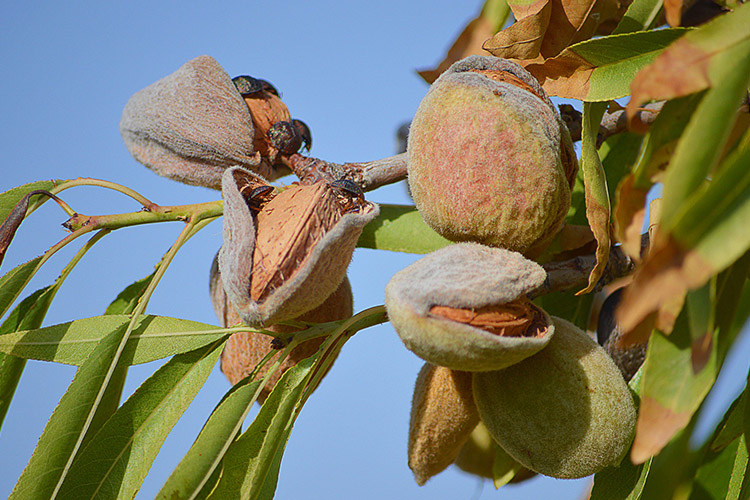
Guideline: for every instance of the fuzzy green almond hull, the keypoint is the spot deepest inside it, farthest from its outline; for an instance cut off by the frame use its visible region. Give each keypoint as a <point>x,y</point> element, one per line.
<point>489,161</point>
<point>565,412</point>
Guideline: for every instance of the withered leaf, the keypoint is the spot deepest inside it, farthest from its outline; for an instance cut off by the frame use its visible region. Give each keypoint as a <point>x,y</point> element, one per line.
<point>543,28</point>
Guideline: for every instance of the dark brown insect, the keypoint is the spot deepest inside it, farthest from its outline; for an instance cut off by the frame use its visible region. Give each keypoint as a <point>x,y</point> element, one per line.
<point>256,196</point>
<point>351,197</point>
<point>285,137</point>
<point>247,85</point>
<point>304,132</point>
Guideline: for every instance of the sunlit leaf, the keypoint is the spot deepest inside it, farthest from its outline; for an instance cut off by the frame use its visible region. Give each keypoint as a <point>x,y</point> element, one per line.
<point>14,281</point>
<point>64,431</point>
<point>709,234</point>
<point>699,60</point>
<point>597,195</point>
<point>200,462</point>
<point>640,16</point>
<point>117,458</point>
<point>251,457</point>
<point>469,42</point>
<point>28,314</point>
<point>10,198</point>
<point>124,303</point>
<point>654,155</point>
<point>672,388</point>
<point>601,69</point>
<point>154,337</point>
<point>545,27</point>
<point>400,228</point>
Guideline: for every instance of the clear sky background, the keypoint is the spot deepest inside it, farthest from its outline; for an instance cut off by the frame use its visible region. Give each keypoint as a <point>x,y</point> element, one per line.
<point>348,70</point>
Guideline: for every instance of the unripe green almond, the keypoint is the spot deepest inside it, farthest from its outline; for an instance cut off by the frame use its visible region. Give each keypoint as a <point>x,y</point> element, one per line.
<point>489,158</point>
<point>466,277</point>
<point>443,414</point>
<point>565,412</point>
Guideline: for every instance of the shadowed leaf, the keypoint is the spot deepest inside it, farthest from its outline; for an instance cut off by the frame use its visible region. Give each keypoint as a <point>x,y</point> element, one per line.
<point>154,337</point>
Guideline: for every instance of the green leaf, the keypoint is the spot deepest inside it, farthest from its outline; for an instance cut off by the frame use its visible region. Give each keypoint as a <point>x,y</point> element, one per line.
<point>705,135</point>
<point>601,69</point>
<point>201,461</point>
<point>624,482</point>
<point>731,425</point>
<point>713,224</point>
<point>59,442</point>
<point>400,228</point>
<point>14,281</point>
<point>640,16</point>
<point>154,337</point>
<point>596,193</point>
<point>10,198</point>
<point>739,487</point>
<point>28,314</point>
<point>251,458</point>
<point>124,303</point>
<point>712,479</point>
<point>118,456</point>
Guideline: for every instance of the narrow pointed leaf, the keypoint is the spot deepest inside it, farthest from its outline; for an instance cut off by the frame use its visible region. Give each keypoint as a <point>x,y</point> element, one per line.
<point>117,458</point>
<point>713,477</point>
<point>400,228</point>
<point>155,337</point>
<point>250,458</point>
<point>200,462</point>
<point>641,15</point>
<point>597,195</point>
<point>124,303</point>
<point>731,425</point>
<point>14,281</point>
<point>29,313</point>
<point>708,235</point>
<point>59,442</point>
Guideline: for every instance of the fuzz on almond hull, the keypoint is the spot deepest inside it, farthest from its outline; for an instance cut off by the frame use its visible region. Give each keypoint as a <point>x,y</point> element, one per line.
<point>489,158</point>
<point>565,412</point>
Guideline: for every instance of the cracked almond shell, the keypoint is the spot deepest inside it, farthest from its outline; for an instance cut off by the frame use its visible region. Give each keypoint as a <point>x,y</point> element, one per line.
<point>565,412</point>
<point>285,260</point>
<point>489,158</point>
<point>467,280</point>
<point>192,125</point>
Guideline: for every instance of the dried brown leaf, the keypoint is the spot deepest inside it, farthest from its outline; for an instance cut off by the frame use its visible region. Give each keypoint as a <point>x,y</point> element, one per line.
<point>629,213</point>
<point>545,27</point>
<point>656,426</point>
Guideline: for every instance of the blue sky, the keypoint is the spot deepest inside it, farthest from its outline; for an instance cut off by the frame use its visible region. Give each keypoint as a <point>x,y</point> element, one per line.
<point>348,70</point>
